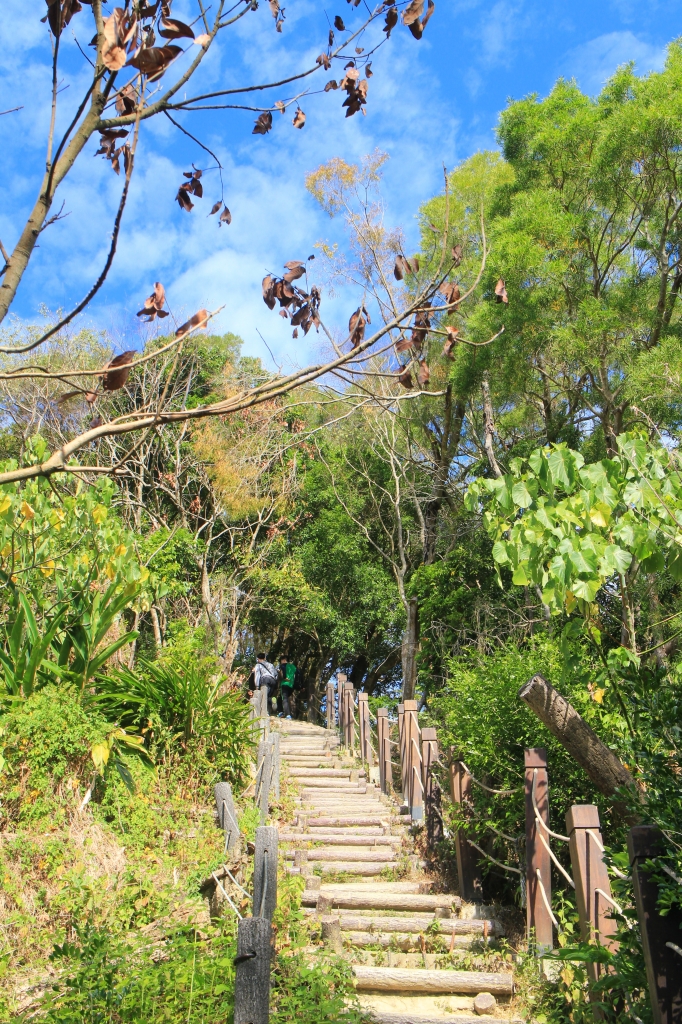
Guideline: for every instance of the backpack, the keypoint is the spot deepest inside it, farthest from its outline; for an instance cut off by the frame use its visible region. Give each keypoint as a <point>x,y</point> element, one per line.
<point>268,674</point>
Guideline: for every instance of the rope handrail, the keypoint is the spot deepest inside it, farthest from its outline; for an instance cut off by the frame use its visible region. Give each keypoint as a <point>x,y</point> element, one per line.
<point>506,867</point>
<point>255,779</point>
<point>225,894</point>
<point>546,827</point>
<point>235,882</point>
<point>421,784</point>
<point>675,948</point>
<point>497,792</point>
<point>548,908</point>
<point>609,899</point>
<point>555,861</point>
<point>615,870</point>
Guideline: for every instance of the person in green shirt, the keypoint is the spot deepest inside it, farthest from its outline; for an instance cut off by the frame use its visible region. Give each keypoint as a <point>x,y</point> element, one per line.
<point>287,675</point>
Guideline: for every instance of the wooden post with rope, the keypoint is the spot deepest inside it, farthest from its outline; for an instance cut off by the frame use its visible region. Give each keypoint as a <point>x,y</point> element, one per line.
<point>331,718</point>
<point>432,797</point>
<point>538,861</point>
<point>364,725</point>
<point>592,885</point>
<point>415,787</point>
<point>340,684</point>
<point>468,858</point>
<point>384,750</point>
<point>401,751</point>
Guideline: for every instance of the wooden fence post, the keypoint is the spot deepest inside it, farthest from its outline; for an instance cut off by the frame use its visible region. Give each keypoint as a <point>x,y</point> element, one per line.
<point>592,885</point>
<point>468,859</point>
<point>252,981</point>
<point>365,726</point>
<point>227,818</point>
<point>401,750</point>
<point>331,718</point>
<point>660,935</point>
<point>415,787</point>
<point>384,748</point>
<point>340,683</point>
<point>349,715</point>
<point>265,872</point>
<point>538,861</point>
<point>432,800</point>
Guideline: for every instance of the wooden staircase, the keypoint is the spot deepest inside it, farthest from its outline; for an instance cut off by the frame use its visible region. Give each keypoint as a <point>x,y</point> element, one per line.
<point>373,899</point>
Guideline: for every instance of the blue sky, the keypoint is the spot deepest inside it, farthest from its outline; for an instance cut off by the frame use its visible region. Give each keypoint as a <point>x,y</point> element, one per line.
<point>430,103</point>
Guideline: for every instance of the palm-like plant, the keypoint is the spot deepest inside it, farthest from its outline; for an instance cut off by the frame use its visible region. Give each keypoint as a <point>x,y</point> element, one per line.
<point>187,701</point>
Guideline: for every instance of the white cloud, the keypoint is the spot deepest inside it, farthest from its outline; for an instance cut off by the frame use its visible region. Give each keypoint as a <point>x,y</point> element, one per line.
<point>595,61</point>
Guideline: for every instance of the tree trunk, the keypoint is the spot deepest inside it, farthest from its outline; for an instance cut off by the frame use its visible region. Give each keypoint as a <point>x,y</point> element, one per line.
<point>158,639</point>
<point>409,651</point>
<point>563,721</point>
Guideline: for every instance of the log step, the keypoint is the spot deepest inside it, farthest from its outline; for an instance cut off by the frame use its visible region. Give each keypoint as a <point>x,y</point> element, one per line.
<point>405,941</point>
<point>418,925</point>
<point>354,899</point>
<point>348,819</point>
<point>342,774</point>
<point>355,867</point>
<point>344,853</point>
<point>381,1017</point>
<point>329,839</point>
<point>397,979</point>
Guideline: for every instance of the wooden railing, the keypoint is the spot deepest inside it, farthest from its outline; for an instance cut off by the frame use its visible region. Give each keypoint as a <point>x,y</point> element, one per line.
<point>421,767</point>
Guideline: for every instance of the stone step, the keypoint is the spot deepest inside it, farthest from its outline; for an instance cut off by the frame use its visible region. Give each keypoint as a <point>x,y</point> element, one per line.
<point>400,979</point>
<point>345,853</point>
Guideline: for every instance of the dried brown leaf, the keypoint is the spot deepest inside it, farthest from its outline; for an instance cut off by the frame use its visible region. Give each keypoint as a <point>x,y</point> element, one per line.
<point>215,208</point>
<point>199,320</point>
<point>391,21</point>
<point>171,28</point>
<point>118,372</point>
<point>154,60</point>
<point>225,217</point>
<point>338,24</point>
<point>405,378</point>
<point>423,374</point>
<point>263,123</point>
<point>299,118</point>
<point>268,291</point>
<point>331,84</point>
<point>450,341</point>
<point>324,61</point>
<point>457,254</point>
<point>413,11</point>
<point>501,291</point>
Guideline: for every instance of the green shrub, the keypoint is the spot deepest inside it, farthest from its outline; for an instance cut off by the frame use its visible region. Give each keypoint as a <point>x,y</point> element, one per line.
<point>47,743</point>
<point>185,712</point>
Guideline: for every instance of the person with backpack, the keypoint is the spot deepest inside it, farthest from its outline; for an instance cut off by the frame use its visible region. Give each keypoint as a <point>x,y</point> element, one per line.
<point>287,674</point>
<point>265,675</point>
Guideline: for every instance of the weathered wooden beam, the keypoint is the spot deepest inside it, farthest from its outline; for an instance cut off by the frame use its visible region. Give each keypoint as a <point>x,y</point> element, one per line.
<point>276,764</point>
<point>660,935</point>
<point>263,778</point>
<point>538,861</point>
<point>252,980</point>
<point>365,728</point>
<point>355,900</point>
<point>592,884</point>
<point>581,741</point>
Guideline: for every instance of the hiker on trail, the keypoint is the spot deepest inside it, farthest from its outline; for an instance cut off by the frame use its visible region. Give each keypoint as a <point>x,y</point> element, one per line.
<point>287,675</point>
<point>265,675</point>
